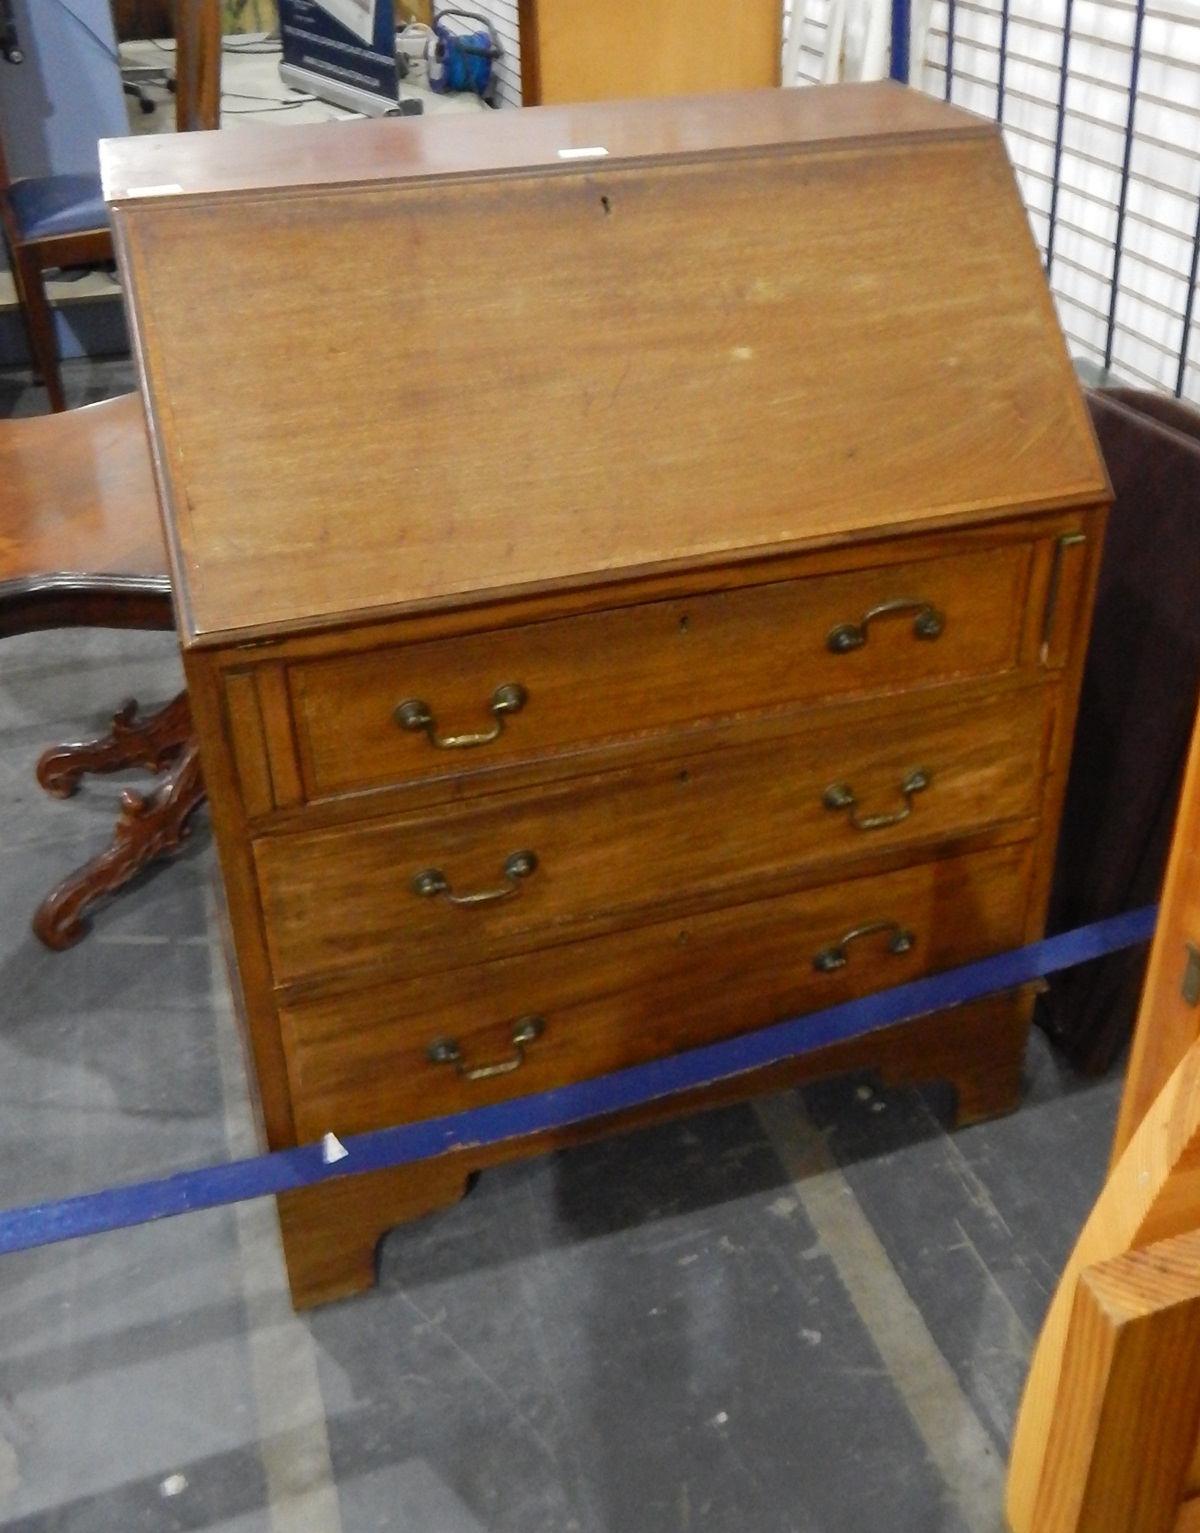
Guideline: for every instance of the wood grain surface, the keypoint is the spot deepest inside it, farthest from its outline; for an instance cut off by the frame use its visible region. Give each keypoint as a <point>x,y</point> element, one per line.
<point>79,494</point>
<point>797,361</point>
<point>359,1060</point>
<point>615,847</point>
<point>576,50</point>
<point>1152,1194</point>
<point>659,666</point>
<point>357,153</point>
<point>1168,1020</point>
<point>1121,1440</point>
<point>686,403</point>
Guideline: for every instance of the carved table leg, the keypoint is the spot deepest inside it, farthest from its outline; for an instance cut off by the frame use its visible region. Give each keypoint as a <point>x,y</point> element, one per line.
<point>149,826</point>
<point>152,742</point>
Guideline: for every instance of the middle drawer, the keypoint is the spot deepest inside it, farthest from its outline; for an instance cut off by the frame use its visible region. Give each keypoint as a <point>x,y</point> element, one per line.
<point>433,891</point>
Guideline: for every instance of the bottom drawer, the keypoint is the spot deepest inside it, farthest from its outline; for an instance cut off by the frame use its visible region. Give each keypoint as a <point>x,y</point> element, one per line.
<point>363,1060</point>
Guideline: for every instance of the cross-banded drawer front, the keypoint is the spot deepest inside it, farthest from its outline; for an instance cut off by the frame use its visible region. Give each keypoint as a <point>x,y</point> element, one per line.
<point>425,1047</point>
<point>478,701</point>
<point>450,887</point>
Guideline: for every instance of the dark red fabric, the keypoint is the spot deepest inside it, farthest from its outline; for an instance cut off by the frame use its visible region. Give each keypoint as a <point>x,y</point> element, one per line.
<point>1136,711</point>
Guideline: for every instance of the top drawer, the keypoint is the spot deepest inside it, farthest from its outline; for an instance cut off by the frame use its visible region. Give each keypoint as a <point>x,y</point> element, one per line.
<point>423,710</point>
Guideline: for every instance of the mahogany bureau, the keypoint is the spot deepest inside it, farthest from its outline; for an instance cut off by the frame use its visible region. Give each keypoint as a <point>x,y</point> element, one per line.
<point>633,564</point>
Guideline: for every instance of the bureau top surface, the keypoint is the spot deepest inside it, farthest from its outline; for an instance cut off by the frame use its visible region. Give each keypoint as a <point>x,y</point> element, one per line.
<point>457,144</point>
<point>391,366</point>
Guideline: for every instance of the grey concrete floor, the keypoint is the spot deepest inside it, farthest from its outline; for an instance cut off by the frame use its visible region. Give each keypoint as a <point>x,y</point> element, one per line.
<point>808,1313</point>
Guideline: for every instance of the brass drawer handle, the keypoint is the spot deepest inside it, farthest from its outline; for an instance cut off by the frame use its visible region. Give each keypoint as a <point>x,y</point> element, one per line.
<point>415,715</point>
<point>927,624</point>
<point>840,796</point>
<point>834,957</point>
<point>433,882</point>
<point>446,1051</point>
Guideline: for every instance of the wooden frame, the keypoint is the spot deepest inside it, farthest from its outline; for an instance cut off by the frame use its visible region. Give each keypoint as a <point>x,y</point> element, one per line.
<point>1107,1436</point>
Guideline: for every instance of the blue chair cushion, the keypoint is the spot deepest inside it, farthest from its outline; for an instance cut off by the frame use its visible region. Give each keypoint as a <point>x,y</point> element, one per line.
<point>44,206</point>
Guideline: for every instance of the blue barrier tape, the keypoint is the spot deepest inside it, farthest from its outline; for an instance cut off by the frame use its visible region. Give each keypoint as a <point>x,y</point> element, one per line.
<point>22,1229</point>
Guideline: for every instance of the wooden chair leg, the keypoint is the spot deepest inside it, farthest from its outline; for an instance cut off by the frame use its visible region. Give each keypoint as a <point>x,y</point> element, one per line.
<point>39,324</point>
<point>152,742</point>
<point>149,827</point>
<point>1149,1203</point>
<point>1122,1436</point>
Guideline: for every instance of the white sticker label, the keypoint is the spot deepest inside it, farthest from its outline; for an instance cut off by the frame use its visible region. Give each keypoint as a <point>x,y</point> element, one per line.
<point>332,1149</point>
<point>168,190</point>
<point>596,152</point>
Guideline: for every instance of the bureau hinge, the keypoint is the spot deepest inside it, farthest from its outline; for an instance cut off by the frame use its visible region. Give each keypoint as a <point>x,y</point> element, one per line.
<point>1067,540</point>
<point>1191,975</point>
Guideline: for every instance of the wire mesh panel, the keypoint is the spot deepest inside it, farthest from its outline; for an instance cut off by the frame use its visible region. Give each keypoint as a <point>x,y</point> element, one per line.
<point>804,55</point>
<point>1100,102</point>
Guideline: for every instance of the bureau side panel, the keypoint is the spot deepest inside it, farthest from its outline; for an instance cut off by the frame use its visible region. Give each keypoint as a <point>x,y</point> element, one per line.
<point>227,809</point>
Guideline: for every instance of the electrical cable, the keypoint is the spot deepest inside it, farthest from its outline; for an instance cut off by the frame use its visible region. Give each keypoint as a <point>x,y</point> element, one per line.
<point>269,42</point>
<point>261,111</point>
<point>295,100</point>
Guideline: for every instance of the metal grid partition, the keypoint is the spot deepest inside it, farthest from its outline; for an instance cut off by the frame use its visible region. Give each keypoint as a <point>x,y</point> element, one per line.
<point>1100,104</point>
<point>804,55</point>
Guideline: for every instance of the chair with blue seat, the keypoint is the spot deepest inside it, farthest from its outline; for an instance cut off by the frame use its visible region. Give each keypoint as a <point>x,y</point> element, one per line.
<point>50,221</point>
<point>60,220</point>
